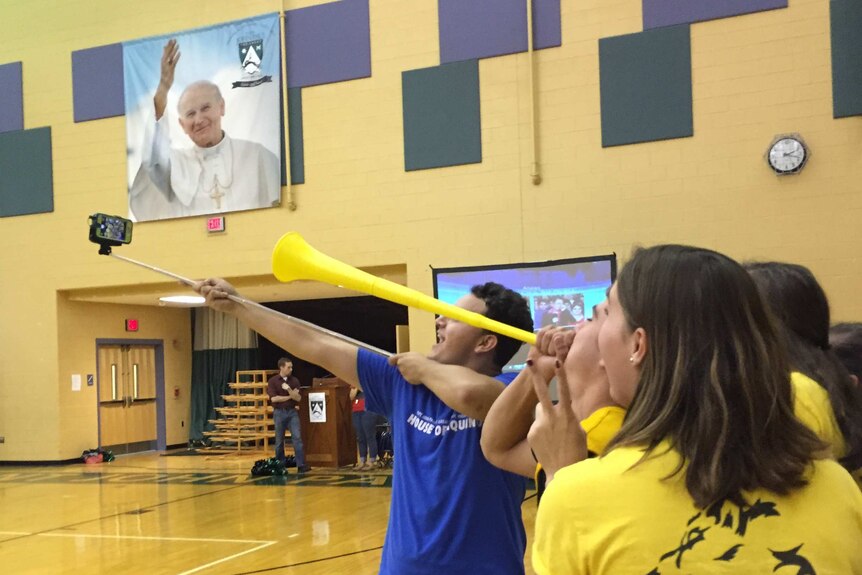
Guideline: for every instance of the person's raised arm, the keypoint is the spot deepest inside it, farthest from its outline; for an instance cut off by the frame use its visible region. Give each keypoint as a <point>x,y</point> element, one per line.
<point>170,57</point>
<point>336,356</point>
<point>556,436</point>
<point>156,146</point>
<point>504,433</point>
<point>464,390</point>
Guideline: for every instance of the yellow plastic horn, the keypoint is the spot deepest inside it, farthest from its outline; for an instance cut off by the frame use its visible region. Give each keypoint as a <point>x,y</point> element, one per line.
<point>293,259</point>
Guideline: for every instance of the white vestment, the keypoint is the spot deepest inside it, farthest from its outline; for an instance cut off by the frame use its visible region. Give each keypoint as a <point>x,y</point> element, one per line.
<point>174,182</point>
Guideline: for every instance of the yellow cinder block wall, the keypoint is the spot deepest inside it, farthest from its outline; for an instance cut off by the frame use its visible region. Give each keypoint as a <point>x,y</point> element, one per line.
<point>79,326</point>
<point>754,76</point>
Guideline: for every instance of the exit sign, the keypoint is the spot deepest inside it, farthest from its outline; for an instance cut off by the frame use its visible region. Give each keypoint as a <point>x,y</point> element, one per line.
<point>215,224</point>
<point>131,325</point>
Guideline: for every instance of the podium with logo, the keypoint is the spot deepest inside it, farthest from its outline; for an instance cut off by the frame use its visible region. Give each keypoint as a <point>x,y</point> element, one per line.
<point>326,417</point>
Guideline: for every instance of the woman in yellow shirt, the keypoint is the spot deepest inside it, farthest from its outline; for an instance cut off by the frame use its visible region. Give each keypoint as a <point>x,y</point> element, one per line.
<point>711,472</point>
<point>504,432</point>
<point>799,302</point>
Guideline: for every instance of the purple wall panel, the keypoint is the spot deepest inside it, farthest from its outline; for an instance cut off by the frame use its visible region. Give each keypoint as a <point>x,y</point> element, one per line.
<point>11,97</point>
<point>472,29</point>
<point>328,43</point>
<point>97,82</point>
<point>659,13</point>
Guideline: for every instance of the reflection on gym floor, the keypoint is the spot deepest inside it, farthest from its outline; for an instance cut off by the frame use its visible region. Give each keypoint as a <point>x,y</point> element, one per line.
<point>183,515</point>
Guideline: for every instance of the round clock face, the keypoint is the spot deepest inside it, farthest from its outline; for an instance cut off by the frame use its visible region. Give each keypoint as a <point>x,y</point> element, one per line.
<point>787,155</point>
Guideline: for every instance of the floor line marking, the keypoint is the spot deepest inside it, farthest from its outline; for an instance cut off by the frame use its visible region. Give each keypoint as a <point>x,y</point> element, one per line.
<point>141,537</point>
<point>150,538</point>
<point>228,558</point>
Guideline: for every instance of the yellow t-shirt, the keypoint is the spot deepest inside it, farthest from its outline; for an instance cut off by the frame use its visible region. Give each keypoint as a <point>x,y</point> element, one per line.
<point>810,404</point>
<point>601,516</point>
<point>600,427</point>
<point>812,407</point>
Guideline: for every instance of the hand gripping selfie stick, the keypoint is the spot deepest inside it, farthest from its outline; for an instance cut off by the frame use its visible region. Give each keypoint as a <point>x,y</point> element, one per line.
<point>109,231</point>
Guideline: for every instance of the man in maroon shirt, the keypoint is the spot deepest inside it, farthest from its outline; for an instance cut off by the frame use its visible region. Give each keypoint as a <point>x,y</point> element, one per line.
<point>283,391</point>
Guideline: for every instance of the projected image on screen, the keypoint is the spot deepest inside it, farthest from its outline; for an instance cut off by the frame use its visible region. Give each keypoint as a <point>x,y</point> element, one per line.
<point>560,293</point>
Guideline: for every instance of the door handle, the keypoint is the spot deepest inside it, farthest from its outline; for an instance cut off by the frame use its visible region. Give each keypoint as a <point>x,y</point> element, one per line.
<point>134,381</point>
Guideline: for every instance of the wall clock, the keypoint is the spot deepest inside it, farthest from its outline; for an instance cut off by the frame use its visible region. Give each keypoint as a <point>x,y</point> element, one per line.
<point>787,154</point>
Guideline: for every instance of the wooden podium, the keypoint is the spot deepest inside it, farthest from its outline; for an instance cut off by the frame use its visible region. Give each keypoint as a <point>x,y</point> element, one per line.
<point>330,443</point>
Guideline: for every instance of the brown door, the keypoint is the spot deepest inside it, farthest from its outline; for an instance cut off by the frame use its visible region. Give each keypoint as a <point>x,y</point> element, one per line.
<point>127,398</point>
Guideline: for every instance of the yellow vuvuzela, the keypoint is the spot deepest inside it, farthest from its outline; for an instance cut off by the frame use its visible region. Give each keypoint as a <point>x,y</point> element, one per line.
<point>293,259</point>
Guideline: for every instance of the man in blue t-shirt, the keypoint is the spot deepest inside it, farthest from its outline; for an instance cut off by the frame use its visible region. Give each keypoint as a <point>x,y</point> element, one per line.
<point>452,512</point>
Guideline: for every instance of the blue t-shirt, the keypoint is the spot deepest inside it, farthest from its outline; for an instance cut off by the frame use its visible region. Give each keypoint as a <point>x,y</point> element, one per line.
<point>452,512</point>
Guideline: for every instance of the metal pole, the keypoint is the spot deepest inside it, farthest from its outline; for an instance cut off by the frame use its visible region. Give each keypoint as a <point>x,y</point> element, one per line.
<point>242,300</point>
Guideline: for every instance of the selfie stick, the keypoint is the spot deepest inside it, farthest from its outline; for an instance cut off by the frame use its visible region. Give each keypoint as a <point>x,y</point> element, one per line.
<point>248,302</point>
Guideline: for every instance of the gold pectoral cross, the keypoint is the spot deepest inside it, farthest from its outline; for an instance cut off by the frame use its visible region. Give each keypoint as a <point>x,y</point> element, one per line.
<point>216,194</point>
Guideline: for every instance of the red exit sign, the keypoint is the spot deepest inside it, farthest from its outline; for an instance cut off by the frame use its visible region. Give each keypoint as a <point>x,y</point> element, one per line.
<point>215,224</point>
<point>131,325</point>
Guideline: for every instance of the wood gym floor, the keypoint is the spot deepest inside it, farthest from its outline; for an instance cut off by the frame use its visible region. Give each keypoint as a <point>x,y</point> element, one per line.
<point>179,515</point>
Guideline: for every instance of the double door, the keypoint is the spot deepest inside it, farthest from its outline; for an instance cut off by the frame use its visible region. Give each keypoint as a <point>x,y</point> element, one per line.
<point>127,398</point>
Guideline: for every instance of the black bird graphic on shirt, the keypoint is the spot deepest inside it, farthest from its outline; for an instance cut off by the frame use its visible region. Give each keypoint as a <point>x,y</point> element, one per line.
<point>759,509</point>
<point>730,554</point>
<point>689,540</point>
<point>792,558</point>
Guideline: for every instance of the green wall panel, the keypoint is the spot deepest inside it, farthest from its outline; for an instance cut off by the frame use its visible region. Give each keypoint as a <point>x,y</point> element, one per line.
<point>846,28</point>
<point>645,82</point>
<point>297,151</point>
<point>26,173</point>
<point>442,124</point>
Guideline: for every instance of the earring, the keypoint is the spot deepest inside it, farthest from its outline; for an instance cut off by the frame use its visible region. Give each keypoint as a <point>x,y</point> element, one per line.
<point>631,359</point>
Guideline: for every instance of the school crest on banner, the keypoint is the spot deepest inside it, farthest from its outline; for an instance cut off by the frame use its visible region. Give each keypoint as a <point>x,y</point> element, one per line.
<point>250,57</point>
<point>317,407</point>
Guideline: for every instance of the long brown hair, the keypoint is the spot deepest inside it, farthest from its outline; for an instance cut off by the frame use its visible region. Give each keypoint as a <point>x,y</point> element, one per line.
<point>800,304</point>
<point>846,342</point>
<point>714,381</point>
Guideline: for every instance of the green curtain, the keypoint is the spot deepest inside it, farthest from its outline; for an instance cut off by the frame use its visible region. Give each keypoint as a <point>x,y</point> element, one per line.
<point>222,346</point>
